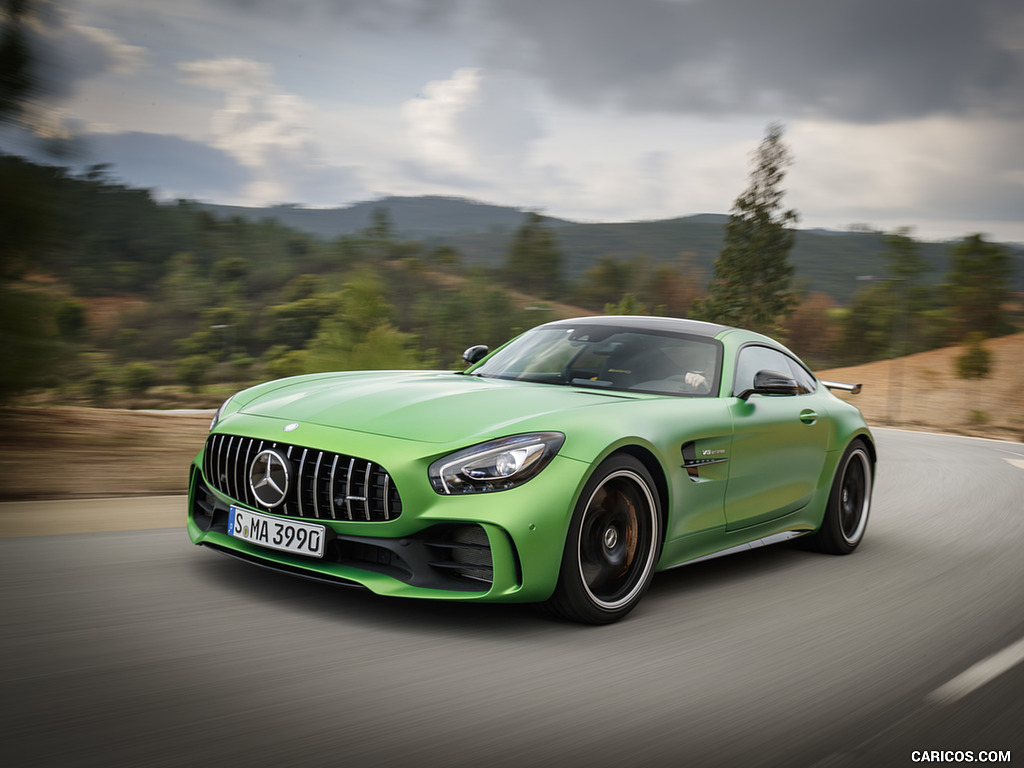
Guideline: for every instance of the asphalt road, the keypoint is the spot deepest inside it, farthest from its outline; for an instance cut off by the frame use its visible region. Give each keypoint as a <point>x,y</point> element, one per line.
<point>135,648</point>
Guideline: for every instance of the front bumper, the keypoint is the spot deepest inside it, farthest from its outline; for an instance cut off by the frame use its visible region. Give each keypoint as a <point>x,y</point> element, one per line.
<point>495,547</point>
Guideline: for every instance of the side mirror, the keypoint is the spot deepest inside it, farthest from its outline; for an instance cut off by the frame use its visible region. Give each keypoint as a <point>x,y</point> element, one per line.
<point>771,383</point>
<point>475,354</point>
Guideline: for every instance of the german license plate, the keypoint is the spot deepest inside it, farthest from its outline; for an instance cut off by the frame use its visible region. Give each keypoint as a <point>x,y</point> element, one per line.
<point>295,536</point>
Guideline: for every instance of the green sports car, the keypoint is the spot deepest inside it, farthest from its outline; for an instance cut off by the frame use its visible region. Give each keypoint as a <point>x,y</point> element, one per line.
<point>564,468</point>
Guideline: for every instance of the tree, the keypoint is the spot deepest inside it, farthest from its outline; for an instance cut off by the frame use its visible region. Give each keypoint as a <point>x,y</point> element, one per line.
<point>605,283</point>
<point>533,262</point>
<point>384,347</point>
<point>27,337</point>
<point>889,316</point>
<point>975,362</point>
<point>363,304</point>
<point>913,299</point>
<point>752,274</point>
<point>137,378</point>
<point>337,347</point>
<point>193,370</point>
<point>867,332</point>
<point>903,256</point>
<point>71,320</point>
<point>979,280</point>
<point>672,288</point>
<point>810,330</point>
<point>380,231</point>
<point>26,321</point>
<point>628,306</point>
<point>18,75</point>
<point>445,257</point>
<point>296,322</point>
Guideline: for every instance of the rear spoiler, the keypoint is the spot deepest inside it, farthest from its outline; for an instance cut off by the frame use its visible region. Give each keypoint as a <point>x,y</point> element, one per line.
<point>853,389</point>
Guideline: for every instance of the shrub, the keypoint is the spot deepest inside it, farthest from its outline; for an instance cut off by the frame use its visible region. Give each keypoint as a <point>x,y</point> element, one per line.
<point>137,378</point>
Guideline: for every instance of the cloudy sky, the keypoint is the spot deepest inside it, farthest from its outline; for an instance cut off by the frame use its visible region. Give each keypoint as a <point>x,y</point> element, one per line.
<point>897,112</point>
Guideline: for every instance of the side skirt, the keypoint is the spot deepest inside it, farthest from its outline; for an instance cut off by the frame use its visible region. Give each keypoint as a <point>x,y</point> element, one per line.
<point>767,541</point>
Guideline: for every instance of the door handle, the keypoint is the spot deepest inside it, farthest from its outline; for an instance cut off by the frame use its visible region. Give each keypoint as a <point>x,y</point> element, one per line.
<point>808,416</point>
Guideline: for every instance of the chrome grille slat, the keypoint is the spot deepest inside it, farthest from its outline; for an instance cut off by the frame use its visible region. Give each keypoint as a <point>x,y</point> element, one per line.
<point>330,487</point>
<point>246,491</point>
<point>221,460</point>
<point>284,505</point>
<point>230,465</point>
<point>298,480</point>
<point>320,481</point>
<point>225,448</point>
<point>316,485</point>
<point>207,455</point>
<point>366,489</point>
<point>240,479</point>
<point>348,488</point>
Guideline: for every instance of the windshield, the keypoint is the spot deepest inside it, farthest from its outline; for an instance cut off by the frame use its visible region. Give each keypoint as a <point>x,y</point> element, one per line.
<point>611,358</point>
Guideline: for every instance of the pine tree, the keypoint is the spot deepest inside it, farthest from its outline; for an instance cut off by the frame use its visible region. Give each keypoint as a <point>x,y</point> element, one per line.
<point>979,278</point>
<point>752,274</point>
<point>534,261</point>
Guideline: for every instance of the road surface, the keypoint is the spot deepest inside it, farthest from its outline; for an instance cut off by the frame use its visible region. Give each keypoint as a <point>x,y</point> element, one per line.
<point>135,648</point>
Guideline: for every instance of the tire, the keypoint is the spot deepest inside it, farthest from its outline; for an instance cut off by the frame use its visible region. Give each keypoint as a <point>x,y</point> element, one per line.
<point>612,546</point>
<point>846,515</point>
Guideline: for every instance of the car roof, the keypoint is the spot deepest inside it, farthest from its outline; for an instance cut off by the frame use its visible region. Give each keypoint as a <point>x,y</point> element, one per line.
<point>647,323</point>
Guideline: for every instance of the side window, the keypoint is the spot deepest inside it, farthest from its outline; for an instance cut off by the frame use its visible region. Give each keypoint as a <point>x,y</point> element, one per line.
<point>804,379</point>
<point>754,359</point>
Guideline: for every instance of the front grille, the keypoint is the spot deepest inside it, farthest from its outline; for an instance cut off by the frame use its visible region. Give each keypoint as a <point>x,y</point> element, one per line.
<point>321,485</point>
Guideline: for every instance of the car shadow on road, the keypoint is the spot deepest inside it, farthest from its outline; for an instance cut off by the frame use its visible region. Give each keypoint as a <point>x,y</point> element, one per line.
<point>732,569</point>
<point>349,604</point>
<point>353,604</point>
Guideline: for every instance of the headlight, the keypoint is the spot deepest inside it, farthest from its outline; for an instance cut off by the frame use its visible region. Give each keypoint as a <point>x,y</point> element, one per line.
<point>496,465</point>
<point>219,413</point>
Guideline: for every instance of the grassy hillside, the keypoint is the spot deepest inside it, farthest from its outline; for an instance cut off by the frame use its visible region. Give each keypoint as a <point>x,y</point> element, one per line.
<point>922,391</point>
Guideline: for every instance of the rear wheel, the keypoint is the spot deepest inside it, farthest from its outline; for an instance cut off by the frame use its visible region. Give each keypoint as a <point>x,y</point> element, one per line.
<point>613,544</point>
<point>846,515</point>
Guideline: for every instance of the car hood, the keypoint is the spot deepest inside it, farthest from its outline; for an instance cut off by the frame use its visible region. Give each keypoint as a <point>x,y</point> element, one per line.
<point>432,407</point>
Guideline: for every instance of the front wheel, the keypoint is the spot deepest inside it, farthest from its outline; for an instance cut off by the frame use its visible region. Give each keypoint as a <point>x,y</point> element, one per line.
<point>846,515</point>
<point>612,546</point>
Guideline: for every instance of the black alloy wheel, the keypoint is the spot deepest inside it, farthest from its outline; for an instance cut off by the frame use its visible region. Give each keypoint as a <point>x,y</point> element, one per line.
<point>613,544</point>
<point>846,515</point>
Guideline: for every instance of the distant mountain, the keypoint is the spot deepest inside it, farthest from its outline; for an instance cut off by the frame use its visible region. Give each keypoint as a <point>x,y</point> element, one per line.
<point>824,260</point>
<point>414,218</point>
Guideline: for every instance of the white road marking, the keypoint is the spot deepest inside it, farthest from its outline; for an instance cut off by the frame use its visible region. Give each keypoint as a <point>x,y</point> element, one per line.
<point>1019,463</point>
<point>981,673</point>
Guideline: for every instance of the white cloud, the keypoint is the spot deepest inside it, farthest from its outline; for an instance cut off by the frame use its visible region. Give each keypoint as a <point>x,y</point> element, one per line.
<point>233,75</point>
<point>119,57</point>
<point>916,172</point>
<point>433,118</point>
<point>268,131</point>
<point>474,124</point>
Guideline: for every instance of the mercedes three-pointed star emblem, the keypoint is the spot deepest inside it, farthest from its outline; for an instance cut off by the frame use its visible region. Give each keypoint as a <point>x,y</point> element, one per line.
<point>268,477</point>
